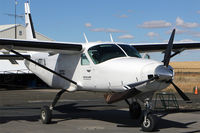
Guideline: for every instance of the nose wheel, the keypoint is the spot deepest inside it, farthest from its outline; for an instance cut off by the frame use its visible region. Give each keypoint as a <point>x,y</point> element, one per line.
<point>149,120</point>
<point>149,123</point>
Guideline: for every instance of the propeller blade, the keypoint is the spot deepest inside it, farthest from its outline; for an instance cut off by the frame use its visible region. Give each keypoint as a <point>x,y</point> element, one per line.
<point>185,98</point>
<point>169,49</point>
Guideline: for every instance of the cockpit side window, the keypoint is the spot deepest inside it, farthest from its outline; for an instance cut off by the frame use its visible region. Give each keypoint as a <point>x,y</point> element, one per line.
<point>104,52</point>
<point>84,60</point>
<point>130,51</point>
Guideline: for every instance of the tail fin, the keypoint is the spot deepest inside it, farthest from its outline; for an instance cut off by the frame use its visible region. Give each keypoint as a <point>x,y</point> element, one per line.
<point>30,32</point>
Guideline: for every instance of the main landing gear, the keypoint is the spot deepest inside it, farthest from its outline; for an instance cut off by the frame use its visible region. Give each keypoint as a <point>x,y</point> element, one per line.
<point>147,119</point>
<point>46,111</point>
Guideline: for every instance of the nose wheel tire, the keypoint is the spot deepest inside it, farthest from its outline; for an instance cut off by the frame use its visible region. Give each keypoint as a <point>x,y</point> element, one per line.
<point>149,124</point>
<point>46,115</point>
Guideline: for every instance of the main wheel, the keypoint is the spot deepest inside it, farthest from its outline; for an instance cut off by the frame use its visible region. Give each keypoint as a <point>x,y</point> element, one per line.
<point>135,110</point>
<point>45,115</point>
<point>150,123</point>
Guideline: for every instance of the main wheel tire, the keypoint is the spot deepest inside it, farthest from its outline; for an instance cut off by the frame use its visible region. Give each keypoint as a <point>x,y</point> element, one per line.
<point>135,110</point>
<point>45,115</point>
<point>150,123</point>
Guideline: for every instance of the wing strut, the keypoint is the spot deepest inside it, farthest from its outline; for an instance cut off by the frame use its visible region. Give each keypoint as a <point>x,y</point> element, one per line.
<point>42,66</point>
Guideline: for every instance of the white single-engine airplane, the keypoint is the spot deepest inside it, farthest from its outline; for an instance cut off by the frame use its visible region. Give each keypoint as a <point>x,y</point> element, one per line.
<point>114,68</point>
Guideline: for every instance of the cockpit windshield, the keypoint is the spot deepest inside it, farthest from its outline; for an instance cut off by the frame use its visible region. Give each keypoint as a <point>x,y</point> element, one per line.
<point>130,51</point>
<point>104,52</point>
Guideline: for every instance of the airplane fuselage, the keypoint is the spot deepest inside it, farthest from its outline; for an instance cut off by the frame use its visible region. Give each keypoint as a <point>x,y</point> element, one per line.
<point>111,75</point>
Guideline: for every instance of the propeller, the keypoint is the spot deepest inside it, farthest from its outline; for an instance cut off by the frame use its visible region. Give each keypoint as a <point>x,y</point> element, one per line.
<point>169,49</point>
<point>185,98</point>
<point>166,61</point>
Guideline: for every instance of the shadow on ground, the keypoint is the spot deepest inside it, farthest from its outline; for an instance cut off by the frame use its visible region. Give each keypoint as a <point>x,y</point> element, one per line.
<point>107,113</point>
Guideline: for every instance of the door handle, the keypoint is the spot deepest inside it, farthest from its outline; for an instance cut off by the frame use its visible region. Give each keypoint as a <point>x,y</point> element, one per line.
<point>88,70</point>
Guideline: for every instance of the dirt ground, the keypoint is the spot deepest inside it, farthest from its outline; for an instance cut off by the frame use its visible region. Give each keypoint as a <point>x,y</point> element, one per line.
<point>187,76</point>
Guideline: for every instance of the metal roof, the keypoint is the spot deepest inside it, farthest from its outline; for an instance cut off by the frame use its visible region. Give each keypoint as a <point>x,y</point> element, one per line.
<point>8,26</point>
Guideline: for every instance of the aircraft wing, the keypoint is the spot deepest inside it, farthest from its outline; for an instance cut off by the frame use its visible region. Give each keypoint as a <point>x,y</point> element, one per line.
<point>12,57</point>
<point>41,46</point>
<point>156,47</point>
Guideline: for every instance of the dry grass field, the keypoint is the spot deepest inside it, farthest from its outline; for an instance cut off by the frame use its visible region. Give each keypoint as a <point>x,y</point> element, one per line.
<point>187,75</point>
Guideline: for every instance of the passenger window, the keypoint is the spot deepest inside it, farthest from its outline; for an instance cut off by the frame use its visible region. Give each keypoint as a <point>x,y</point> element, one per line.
<point>42,62</point>
<point>84,60</point>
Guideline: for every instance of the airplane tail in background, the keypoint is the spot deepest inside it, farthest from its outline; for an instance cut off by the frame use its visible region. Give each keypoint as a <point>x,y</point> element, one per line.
<point>30,32</point>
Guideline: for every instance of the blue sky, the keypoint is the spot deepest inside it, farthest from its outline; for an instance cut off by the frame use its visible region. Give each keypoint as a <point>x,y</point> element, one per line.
<point>131,21</point>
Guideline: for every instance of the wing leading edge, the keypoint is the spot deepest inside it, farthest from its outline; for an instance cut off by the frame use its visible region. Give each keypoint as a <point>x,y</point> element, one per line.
<point>41,46</point>
<point>156,47</point>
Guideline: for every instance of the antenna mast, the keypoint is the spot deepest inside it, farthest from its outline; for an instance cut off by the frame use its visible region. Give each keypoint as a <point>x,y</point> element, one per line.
<point>15,19</point>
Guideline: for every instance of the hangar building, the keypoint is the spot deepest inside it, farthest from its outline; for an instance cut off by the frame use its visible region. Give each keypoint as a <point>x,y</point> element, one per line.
<point>16,74</point>
<point>8,31</point>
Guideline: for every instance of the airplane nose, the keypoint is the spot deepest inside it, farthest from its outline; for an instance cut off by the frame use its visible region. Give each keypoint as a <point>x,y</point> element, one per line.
<point>164,73</point>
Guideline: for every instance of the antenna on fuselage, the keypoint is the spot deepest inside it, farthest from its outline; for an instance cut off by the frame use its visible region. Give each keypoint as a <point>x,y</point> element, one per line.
<point>111,38</point>
<point>86,40</point>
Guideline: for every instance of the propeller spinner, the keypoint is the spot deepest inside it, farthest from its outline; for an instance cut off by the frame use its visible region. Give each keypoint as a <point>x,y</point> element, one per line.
<point>166,61</point>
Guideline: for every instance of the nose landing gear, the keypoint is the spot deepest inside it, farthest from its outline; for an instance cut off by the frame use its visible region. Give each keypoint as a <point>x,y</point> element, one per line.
<point>147,119</point>
<point>149,123</point>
